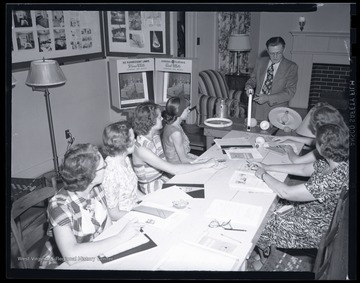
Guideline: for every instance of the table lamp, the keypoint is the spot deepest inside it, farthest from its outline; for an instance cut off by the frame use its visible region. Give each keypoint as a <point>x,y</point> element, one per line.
<point>239,43</point>
<point>45,74</point>
<point>13,81</point>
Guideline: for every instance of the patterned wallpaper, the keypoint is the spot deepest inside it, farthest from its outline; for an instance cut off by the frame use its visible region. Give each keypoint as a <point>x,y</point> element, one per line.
<point>231,23</point>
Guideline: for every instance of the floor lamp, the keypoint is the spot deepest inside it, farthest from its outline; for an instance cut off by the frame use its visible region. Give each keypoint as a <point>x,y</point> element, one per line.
<point>239,43</point>
<point>45,74</point>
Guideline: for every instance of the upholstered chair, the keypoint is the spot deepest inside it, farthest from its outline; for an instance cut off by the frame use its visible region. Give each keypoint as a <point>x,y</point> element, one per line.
<point>213,88</point>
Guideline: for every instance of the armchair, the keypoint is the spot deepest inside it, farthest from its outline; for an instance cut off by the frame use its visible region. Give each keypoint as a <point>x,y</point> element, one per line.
<point>212,88</point>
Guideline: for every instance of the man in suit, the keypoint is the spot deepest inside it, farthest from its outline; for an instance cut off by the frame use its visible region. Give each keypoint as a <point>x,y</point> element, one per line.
<point>274,80</point>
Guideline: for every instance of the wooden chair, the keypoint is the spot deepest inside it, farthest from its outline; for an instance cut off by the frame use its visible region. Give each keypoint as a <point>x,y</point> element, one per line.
<point>28,223</point>
<point>318,262</point>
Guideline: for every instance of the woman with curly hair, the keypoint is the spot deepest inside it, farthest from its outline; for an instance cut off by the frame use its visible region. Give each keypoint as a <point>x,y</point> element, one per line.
<point>120,181</point>
<point>321,114</point>
<point>150,164</point>
<point>313,201</point>
<point>175,142</point>
<point>78,212</point>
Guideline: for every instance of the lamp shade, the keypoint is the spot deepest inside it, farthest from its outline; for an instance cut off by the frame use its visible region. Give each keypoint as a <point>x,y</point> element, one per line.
<point>239,42</point>
<point>45,73</point>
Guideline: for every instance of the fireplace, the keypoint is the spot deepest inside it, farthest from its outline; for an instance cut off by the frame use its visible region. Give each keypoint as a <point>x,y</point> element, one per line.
<point>324,66</point>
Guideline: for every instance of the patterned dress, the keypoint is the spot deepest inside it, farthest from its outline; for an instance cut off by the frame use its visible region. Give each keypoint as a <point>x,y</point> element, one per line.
<point>86,218</point>
<point>169,148</point>
<point>120,184</point>
<point>150,179</point>
<point>303,227</point>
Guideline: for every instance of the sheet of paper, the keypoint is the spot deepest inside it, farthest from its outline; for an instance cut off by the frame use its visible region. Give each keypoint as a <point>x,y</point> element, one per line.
<point>167,224</point>
<point>167,196</point>
<point>248,182</point>
<point>238,213</point>
<point>196,177</point>
<point>190,256</point>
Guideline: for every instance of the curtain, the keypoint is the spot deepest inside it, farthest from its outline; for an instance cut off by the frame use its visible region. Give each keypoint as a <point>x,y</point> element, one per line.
<point>231,23</point>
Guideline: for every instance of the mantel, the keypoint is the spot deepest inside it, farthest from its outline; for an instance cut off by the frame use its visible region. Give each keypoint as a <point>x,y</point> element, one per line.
<point>316,47</point>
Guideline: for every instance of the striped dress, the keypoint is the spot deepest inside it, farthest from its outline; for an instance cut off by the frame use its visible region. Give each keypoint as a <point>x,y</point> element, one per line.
<point>303,227</point>
<point>150,179</point>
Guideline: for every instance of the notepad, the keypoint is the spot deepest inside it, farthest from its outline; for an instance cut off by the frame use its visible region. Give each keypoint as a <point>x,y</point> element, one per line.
<point>193,190</point>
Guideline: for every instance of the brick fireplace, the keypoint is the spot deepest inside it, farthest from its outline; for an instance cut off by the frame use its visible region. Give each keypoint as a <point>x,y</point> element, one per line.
<point>324,67</point>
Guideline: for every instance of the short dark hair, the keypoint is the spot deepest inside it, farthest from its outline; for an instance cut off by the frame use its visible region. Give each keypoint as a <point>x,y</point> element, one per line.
<point>79,166</point>
<point>145,117</point>
<point>116,138</point>
<point>273,41</point>
<point>333,141</point>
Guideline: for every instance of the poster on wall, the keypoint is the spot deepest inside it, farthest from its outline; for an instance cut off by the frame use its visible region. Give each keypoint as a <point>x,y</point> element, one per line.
<point>137,32</point>
<point>61,35</point>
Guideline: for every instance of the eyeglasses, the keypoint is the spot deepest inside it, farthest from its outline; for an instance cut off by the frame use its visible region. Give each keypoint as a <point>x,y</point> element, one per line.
<point>215,223</point>
<point>105,165</point>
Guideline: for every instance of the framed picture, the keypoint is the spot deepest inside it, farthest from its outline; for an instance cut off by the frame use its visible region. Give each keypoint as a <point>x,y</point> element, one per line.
<point>55,34</point>
<point>133,88</point>
<point>129,32</point>
<point>176,85</point>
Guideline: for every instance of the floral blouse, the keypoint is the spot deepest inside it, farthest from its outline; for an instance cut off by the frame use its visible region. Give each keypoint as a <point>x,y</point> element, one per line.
<point>304,226</point>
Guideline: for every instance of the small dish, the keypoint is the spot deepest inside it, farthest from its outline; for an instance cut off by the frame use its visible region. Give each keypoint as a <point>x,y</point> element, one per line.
<point>180,204</point>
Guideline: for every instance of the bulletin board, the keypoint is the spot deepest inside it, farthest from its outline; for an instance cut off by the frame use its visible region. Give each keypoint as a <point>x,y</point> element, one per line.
<point>129,32</point>
<point>55,34</point>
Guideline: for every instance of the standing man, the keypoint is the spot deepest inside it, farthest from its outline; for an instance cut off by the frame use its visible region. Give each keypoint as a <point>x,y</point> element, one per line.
<point>274,80</point>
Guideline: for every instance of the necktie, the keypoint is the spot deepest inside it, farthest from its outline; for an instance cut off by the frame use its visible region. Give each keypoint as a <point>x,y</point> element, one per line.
<point>269,79</point>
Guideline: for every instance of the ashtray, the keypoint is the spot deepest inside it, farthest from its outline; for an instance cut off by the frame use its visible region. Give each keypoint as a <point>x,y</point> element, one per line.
<point>180,203</point>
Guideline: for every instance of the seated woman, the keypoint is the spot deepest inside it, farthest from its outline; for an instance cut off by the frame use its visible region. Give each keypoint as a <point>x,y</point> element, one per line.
<point>175,142</point>
<point>78,212</point>
<point>321,114</point>
<point>314,201</point>
<point>149,160</point>
<point>120,181</point>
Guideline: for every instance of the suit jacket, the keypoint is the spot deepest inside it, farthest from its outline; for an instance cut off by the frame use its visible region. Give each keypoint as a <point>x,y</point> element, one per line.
<point>282,90</point>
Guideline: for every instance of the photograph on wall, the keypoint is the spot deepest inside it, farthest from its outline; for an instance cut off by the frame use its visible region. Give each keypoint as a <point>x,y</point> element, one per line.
<point>22,19</point>
<point>136,40</point>
<point>25,40</point>
<point>42,19</point>
<point>135,20</point>
<point>177,85</point>
<point>133,88</point>
<point>117,17</point>
<point>153,19</point>
<point>60,39</point>
<point>58,19</point>
<point>156,41</point>
<point>44,39</point>
<point>118,34</point>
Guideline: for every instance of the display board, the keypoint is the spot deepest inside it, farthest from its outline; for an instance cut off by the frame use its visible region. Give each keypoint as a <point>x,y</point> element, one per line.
<point>56,34</point>
<point>129,32</point>
<point>176,77</point>
<point>131,81</point>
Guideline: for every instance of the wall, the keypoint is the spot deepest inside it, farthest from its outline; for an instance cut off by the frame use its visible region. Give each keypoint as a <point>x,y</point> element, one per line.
<point>329,17</point>
<point>81,105</point>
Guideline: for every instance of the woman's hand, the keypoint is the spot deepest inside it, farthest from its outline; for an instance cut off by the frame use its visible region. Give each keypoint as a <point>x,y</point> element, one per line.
<point>130,230</point>
<point>256,165</point>
<point>291,153</point>
<point>280,138</point>
<point>259,172</point>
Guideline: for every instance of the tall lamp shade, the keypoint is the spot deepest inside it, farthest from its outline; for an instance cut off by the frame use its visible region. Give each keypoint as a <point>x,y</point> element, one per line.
<point>45,74</point>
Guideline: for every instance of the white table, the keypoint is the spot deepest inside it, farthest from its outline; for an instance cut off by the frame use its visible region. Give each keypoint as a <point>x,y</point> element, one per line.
<point>195,223</point>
